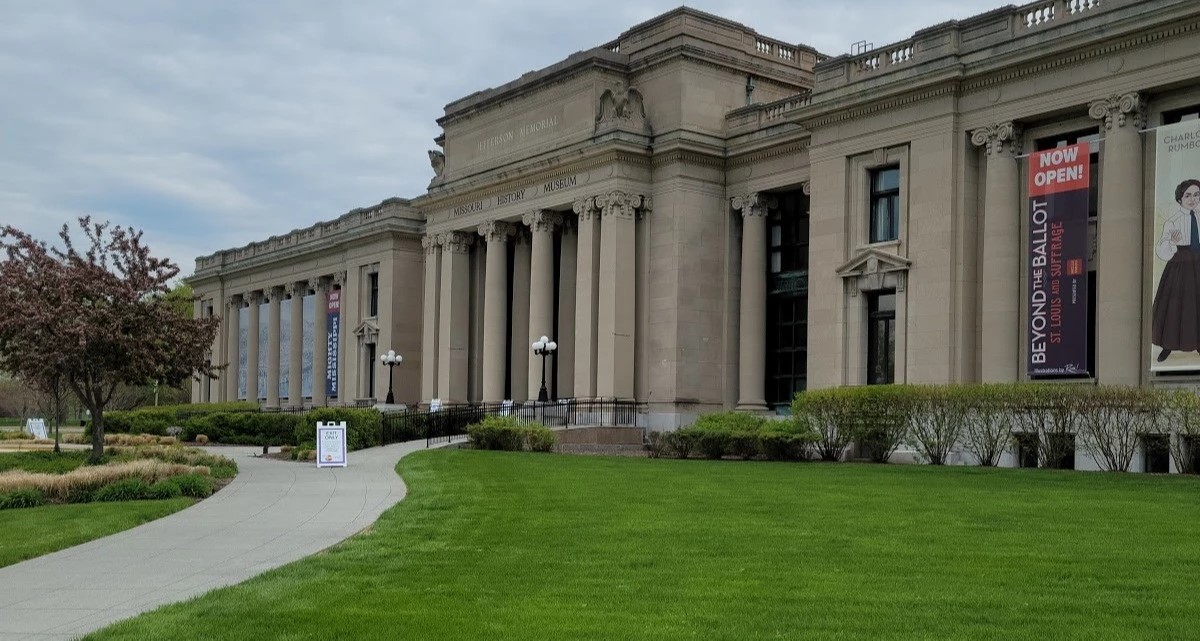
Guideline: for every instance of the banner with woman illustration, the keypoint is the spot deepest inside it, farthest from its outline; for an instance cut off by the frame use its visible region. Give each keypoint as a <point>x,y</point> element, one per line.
<point>1175,277</point>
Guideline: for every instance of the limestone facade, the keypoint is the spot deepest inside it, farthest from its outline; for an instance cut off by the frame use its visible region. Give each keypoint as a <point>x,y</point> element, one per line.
<point>687,211</point>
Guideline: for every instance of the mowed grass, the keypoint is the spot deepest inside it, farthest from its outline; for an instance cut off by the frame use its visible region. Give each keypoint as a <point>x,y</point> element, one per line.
<point>526,546</point>
<point>47,462</point>
<point>31,532</point>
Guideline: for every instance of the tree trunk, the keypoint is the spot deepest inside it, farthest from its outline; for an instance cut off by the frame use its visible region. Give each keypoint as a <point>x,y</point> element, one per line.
<point>97,435</point>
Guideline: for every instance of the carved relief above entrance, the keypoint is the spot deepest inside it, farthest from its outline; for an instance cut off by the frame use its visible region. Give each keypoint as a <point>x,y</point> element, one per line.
<point>875,270</point>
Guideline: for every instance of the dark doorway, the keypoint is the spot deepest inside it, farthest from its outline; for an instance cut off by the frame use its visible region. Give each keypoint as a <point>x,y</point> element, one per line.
<point>1158,453</point>
<point>787,299</point>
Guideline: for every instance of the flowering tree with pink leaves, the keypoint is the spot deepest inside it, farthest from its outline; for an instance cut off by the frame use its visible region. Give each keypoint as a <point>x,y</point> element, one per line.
<point>94,315</point>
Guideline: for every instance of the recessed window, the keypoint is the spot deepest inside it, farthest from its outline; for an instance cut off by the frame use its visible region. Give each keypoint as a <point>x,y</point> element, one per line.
<point>373,287</point>
<point>1180,115</point>
<point>881,338</point>
<point>885,204</point>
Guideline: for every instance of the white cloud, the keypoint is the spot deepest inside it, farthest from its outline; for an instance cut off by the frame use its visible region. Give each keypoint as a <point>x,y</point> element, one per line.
<point>212,124</point>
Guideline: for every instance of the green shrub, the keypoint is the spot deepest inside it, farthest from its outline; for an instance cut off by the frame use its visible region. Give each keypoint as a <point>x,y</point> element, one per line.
<point>497,433</point>
<point>779,445</point>
<point>364,427</point>
<point>680,443</point>
<point>164,489</point>
<point>540,438</point>
<point>713,444</point>
<point>657,444</point>
<point>21,498</point>
<point>131,489</point>
<point>194,485</point>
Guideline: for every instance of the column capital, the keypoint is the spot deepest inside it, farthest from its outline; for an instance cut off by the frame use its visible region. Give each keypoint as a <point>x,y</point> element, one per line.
<point>998,139</point>
<point>297,288</point>
<point>255,297</point>
<point>496,231</point>
<point>277,292</point>
<point>234,300</point>
<point>754,204</point>
<point>1117,108</point>
<point>542,220</point>
<point>458,242</point>
<point>585,207</point>
<point>338,278</point>
<point>806,187</point>
<point>622,205</point>
<point>430,243</point>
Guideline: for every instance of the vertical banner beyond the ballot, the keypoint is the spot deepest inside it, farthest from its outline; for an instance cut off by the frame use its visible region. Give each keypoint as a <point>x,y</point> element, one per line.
<point>1058,183</point>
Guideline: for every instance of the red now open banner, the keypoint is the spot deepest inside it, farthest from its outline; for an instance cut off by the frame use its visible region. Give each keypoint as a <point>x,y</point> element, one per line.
<point>1058,181</point>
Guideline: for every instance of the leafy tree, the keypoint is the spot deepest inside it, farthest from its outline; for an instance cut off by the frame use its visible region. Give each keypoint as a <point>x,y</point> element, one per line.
<point>94,317</point>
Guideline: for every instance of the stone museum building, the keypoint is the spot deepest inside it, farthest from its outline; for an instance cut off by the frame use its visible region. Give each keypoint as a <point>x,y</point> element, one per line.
<point>704,217</point>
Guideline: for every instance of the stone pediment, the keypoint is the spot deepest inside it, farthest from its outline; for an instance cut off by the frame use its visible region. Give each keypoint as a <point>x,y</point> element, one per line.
<point>368,330</point>
<point>874,270</point>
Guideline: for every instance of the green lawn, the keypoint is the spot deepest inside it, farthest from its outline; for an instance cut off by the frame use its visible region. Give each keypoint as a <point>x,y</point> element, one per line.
<point>526,546</point>
<point>31,532</point>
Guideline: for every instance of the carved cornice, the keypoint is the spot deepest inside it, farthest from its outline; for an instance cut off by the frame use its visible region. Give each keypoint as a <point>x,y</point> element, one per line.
<point>457,242</point>
<point>541,220</point>
<point>585,207</point>
<point>496,231</point>
<point>1002,138</point>
<point>850,113</point>
<point>793,147</point>
<point>873,270</point>
<point>1119,108</point>
<point>754,204</point>
<point>687,157</point>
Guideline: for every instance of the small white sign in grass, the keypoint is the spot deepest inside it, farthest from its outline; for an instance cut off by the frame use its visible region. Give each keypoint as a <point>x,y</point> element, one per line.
<point>36,427</point>
<point>331,444</point>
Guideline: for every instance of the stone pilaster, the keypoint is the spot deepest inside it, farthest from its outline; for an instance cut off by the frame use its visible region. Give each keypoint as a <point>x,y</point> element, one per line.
<point>616,312</point>
<point>541,226</point>
<point>320,338</point>
<point>253,347</point>
<point>273,312</point>
<point>495,308</point>
<point>233,339</point>
<point>1119,349</point>
<point>1000,296</point>
<point>752,321</point>
<point>587,279</point>
<point>296,344</point>
<point>518,356</point>
<point>454,313</point>
<point>429,322</point>
<point>567,262</point>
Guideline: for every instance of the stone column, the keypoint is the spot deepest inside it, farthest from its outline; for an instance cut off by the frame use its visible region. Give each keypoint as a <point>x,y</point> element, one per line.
<point>495,308</point>
<point>1119,350</point>
<point>567,260</point>
<point>752,321</point>
<point>296,344</point>
<point>455,315</point>
<point>541,290</point>
<point>198,384</point>
<point>1000,295</point>
<point>252,347</point>
<point>615,318</point>
<point>586,296</point>
<point>320,338</point>
<point>233,315</point>
<point>519,323</point>
<point>429,322</point>
<point>273,312</point>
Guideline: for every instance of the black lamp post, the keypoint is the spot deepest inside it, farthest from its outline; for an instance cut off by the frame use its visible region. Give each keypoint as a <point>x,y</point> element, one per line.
<point>391,359</point>
<point>544,347</point>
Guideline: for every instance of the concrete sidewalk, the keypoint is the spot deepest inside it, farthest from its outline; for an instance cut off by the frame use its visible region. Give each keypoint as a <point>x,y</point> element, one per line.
<point>273,513</point>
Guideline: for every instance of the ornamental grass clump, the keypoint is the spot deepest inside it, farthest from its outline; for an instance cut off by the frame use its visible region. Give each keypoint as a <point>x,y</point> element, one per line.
<point>81,484</point>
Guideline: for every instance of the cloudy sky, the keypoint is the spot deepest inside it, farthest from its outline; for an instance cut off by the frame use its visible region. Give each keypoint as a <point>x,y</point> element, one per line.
<point>213,123</point>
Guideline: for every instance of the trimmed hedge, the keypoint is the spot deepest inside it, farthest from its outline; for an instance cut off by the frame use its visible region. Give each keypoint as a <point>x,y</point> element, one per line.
<point>738,434</point>
<point>507,434</point>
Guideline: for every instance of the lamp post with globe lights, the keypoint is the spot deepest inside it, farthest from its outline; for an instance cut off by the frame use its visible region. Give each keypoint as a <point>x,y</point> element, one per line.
<point>391,359</point>
<point>544,347</point>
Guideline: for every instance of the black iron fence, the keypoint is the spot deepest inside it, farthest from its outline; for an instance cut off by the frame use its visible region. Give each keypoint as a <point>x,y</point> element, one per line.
<point>447,423</point>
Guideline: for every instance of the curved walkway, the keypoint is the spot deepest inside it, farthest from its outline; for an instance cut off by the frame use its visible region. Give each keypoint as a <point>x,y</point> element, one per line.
<point>273,513</point>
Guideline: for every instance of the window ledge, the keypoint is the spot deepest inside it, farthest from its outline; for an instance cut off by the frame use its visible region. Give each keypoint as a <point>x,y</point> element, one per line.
<point>880,245</point>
